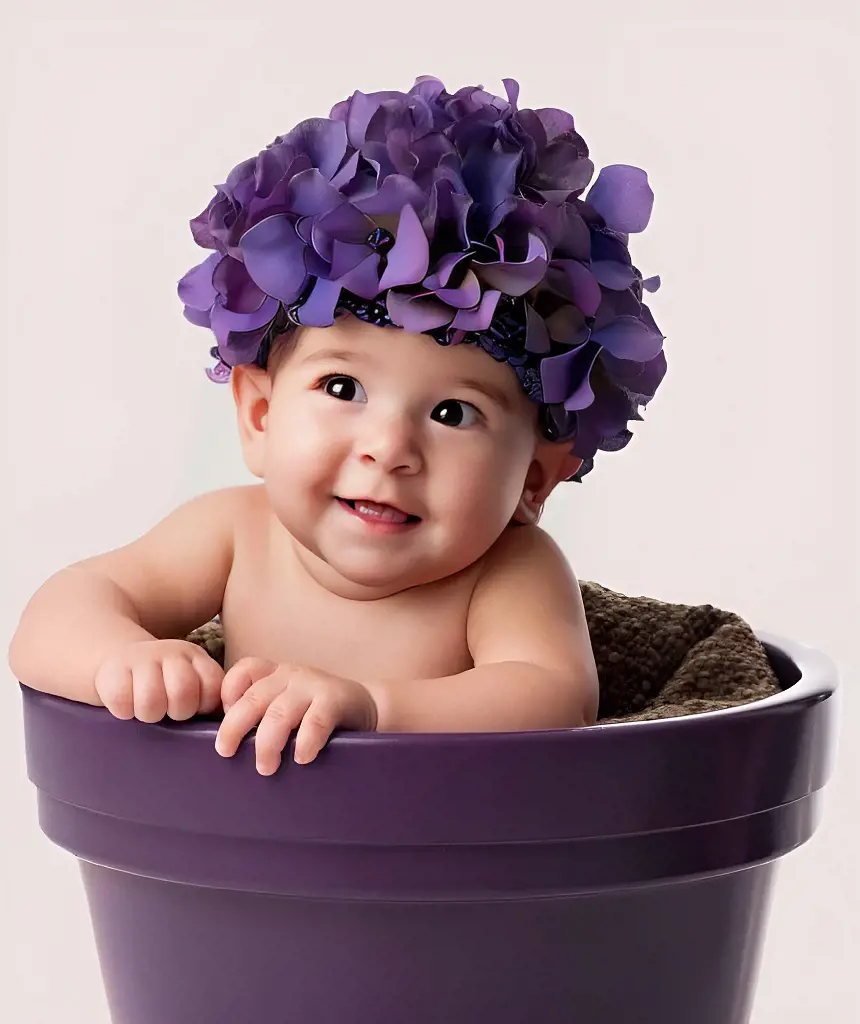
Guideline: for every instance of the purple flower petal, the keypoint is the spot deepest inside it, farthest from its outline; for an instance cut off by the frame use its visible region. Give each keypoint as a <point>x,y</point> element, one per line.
<point>323,140</point>
<point>571,238</point>
<point>428,88</point>
<point>537,334</point>
<point>345,175</point>
<point>417,313</point>
<point>346,256</point>
<point>270,169</point>
<point>434,151</point>
<point>617,304</point>
<point>219,373</point>
<point>444,268</point>
<point>478,319</point>
<point>555,122</point>
<point>196,288</point>
<point>512,88</point>
<point>609,413</point>
<point>507,206</point>
<point>309,194</point>
<point>304,226</point>
<point>561,168</point>
<point>198,317</point>
<point>395,194</point>
<point>564,378</point>
<point>445,223</point>
<point>623,197</point>
<point>516,278</point>
<point>376,154</point>
<point>343,223</point>
<point>490,173</point>
<point>236,291</point>
<point>226,321</point>
<point>363,279</point>
<point>404,160</point>
<point>615,276</point>
<point>651,284</point>
<point>582,396</point>
<point>318,309</point>
<point>575,282</point>
<point>239,348</point>
<point>273,254</point>
<point>356,112</point>
<point>567,326</point>
<point>200,231</point>
<point>630,338</point>
<point>316,265</point>
<point>466,296</point>
<point>410,254</point>
<point>641,380</point>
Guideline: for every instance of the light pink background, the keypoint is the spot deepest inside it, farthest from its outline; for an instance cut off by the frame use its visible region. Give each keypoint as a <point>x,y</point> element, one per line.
<point>740,488</point>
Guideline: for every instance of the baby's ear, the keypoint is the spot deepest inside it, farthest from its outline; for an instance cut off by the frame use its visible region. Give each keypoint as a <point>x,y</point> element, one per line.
<point>553,463</point>
<point>252,391</point>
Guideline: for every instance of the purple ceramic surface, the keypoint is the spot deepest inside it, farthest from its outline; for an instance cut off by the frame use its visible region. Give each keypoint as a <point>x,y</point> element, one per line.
<point>603,875</point>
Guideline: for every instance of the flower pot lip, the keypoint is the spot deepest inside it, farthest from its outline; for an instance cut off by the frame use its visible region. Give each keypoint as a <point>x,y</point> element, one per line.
<point>452,788</point>
<point>815,677</point>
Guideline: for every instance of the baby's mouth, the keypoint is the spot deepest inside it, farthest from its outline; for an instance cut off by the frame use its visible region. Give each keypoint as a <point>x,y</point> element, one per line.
<point>373,510</point>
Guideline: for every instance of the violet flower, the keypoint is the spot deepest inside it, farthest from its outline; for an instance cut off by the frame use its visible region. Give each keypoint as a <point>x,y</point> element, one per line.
<point>457,215</point>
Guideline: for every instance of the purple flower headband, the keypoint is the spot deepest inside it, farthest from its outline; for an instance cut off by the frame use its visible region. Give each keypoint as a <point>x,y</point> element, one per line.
<point>458,216</point>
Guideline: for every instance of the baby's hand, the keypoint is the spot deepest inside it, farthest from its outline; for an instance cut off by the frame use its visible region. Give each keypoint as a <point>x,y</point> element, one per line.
<point>276,698</point>
<point>153,678</point>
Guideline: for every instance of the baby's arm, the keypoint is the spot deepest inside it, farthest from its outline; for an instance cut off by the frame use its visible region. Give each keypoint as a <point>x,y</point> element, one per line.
<point>160,586</point>
<point>526,630</point>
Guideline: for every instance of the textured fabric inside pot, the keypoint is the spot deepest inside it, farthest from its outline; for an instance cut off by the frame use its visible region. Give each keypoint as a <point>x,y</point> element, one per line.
<point>654,659</point>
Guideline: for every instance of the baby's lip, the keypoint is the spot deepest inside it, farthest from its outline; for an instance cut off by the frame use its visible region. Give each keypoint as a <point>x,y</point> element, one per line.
<point>385,504</point>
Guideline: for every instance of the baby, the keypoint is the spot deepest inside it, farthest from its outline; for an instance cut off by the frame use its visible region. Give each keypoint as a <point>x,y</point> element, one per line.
<point>426,329</point>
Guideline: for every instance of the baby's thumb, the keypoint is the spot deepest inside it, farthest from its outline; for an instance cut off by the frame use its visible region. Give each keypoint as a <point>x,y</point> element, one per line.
<point>210,674</point>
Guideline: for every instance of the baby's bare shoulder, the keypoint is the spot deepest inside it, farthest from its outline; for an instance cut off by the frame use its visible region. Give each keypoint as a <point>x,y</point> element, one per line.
<point>526,551</point>
<point>177,572</point>
<point>527,605</point>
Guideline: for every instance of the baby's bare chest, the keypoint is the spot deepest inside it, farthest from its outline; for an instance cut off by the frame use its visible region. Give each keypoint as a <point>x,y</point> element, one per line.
<point>413,635</point>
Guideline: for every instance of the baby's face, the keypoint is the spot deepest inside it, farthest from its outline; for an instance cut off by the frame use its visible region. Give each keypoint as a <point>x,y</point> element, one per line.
<point>378,417</point>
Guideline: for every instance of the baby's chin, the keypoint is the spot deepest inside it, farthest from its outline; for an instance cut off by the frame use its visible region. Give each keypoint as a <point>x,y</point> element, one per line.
<point>369,577</point>
<point>362,575</point>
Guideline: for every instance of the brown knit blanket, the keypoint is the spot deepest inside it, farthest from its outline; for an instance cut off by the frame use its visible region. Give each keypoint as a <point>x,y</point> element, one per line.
<point>654,659</point>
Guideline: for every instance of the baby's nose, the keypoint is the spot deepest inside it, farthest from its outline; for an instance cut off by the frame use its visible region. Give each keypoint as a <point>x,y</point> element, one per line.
<point>391,444</point>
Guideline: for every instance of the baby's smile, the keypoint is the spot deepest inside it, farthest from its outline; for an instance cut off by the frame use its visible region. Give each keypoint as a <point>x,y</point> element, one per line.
<point>379,516</point>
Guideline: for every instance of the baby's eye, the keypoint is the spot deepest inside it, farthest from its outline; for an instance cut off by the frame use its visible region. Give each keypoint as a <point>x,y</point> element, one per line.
<point>454,413</point>
<point>346,388</point>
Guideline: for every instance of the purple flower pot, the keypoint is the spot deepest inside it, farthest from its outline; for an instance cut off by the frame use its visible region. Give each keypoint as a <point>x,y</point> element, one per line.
<point>606,875</point>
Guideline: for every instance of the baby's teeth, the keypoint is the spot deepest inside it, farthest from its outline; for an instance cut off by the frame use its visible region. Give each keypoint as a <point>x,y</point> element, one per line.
<point>382,512</point>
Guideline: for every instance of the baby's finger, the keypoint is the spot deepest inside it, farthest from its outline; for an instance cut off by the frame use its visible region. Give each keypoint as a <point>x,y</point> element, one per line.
<point>113,683</point>
<point>242,676</point>
<point>319,722</point>
<point>273,732</point>
<point>182,686</point>
<point>150,696</point>
<point>246,713</point>
<point>211,677</point>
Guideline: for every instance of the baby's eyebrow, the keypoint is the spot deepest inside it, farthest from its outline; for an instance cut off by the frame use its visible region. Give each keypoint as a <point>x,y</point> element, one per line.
<point>488,390</point>
<point>330,355</point>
